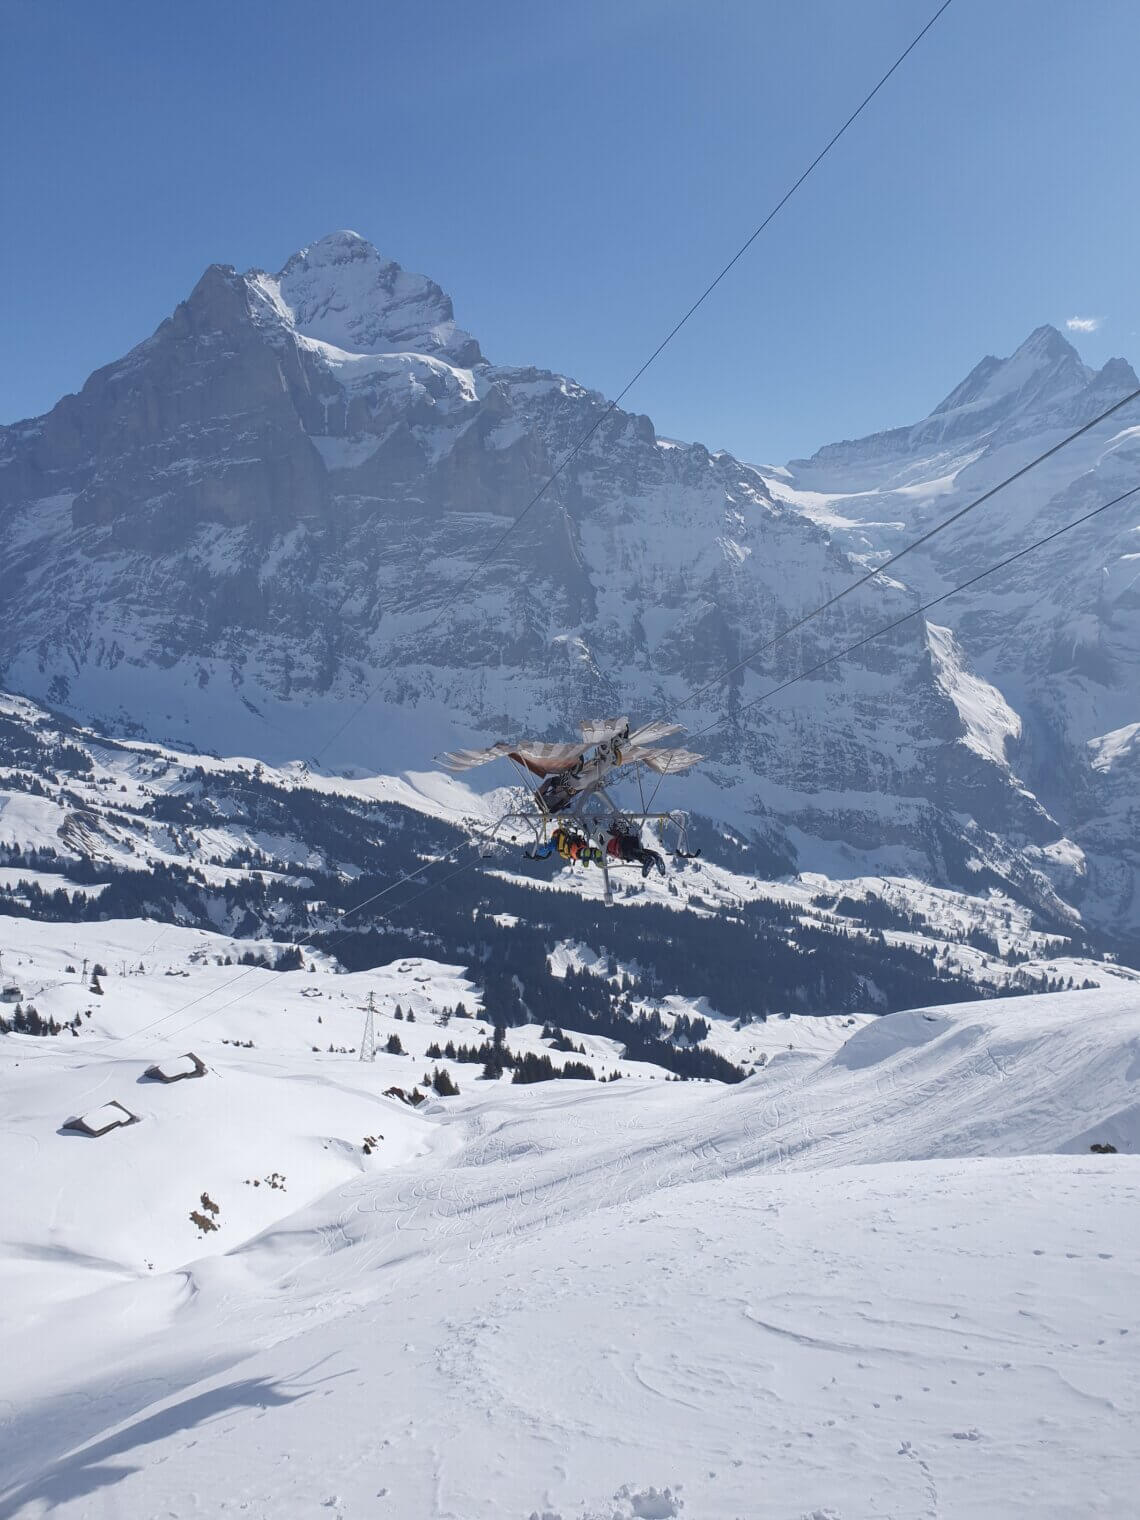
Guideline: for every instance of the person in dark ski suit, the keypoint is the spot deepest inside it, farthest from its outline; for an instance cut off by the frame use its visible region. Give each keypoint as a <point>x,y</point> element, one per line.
<point>625,844</point>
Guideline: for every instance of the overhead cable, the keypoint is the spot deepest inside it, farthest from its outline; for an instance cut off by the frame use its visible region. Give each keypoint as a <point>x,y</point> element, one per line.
<point>589,433</point>
<point>718,722</point>
<point>918,611</point>
<point>917,543</point>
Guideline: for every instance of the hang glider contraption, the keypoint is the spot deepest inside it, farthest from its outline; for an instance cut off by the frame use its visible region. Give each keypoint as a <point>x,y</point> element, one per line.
<point>571,811</point>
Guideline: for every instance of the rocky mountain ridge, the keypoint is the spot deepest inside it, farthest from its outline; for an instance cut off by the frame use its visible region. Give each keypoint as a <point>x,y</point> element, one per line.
<point>246,528</point>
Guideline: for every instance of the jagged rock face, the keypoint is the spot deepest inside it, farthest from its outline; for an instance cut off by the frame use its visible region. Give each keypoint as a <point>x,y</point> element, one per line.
<point>286,501</point>
<point>1058,631</point>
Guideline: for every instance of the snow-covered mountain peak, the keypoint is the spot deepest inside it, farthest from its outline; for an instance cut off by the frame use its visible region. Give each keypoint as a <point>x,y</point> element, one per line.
<point>1046,345</point>
<point>341,290</point>
<point>1044,369</point>
<point>1043,384</point>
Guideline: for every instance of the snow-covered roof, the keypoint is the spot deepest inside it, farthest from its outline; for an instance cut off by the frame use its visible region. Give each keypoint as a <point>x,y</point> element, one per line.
<point>177,1067</point>
<point>97,1121</point>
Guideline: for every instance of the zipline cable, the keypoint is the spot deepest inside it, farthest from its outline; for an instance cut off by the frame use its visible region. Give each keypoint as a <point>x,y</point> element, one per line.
<point>249,970</point>
<point>718,722</point>
<point>304,944</point>
<point>842,654</point>
<point>608,411</point>
<point>925,607</point>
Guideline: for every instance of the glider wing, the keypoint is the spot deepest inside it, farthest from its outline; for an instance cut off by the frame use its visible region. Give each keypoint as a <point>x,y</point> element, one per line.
<point>666,762</point>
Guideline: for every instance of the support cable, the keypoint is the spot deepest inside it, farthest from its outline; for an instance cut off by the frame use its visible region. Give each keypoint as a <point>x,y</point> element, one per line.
<point>842,654</point>
<point>925,607</point>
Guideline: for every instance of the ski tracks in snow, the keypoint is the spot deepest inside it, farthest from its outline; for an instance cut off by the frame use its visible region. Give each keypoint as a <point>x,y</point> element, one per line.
<point>651,1300</point>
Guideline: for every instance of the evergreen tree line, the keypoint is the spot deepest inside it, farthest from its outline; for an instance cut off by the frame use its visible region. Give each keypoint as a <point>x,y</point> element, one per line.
<point>23,748</point>
<point>29,1021</point>
<point>495,1056</point>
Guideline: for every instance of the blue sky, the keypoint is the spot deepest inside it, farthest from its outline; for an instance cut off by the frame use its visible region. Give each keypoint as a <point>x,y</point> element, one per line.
<point>573,176</point>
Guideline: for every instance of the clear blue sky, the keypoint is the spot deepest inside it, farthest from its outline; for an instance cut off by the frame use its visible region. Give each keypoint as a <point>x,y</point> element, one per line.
<point>574,174</point>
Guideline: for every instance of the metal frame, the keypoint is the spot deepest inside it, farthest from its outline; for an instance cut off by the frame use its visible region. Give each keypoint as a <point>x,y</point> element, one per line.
<point>584,814</point>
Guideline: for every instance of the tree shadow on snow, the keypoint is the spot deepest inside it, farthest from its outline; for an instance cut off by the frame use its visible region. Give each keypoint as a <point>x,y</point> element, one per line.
<point>90,1469</point>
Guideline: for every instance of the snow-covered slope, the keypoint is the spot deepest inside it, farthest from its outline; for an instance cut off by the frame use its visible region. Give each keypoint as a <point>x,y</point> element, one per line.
<point>370,867</point>
<point>886,1280</point>
<point>883,1274</point>
<point>296,1105</point>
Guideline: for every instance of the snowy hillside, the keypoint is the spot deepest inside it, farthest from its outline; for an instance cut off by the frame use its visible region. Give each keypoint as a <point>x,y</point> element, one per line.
<point>874,1268</point>
<point>267,526</point>
<point>885,1276</point>
<point>299,1104</point>
<point>355,1165</point>
<point>370,869</point>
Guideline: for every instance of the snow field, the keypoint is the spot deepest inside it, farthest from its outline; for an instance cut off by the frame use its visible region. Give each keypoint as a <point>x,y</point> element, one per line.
<point>863,1283</point>
<point>276,1101</point>
<point>946,1340</point>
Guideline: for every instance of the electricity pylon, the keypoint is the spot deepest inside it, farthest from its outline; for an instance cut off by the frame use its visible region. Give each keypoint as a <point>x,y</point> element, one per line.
<point>368,1038</point>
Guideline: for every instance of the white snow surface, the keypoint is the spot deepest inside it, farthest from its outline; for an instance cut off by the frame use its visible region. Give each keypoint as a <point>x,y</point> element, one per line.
<point>989,721</point>
<point>1108,750</point>
<point>884,1277</point>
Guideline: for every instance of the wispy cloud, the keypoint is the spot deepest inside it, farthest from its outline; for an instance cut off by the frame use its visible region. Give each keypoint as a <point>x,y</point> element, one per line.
<point>1083,324</point>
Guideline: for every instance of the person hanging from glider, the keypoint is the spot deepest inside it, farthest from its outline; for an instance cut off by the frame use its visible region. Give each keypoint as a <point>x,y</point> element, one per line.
<point>570,845</point>
<point>625,844</point>
<point>587,771</point>
<point>589,826</point>
<point>556,791</point>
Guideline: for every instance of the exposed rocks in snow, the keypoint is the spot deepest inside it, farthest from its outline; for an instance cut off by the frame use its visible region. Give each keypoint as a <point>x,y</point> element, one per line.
<point>1048,650</point>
